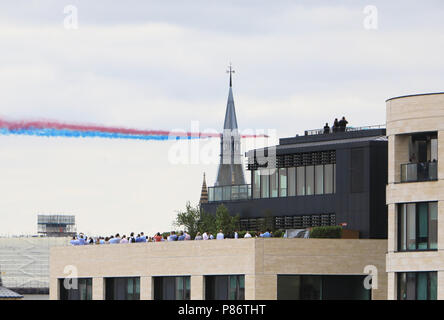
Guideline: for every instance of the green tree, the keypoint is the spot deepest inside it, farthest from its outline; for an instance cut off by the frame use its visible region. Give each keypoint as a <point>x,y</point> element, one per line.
<point>224,221</point>
<point>207,223</point>
<point>188,219</point>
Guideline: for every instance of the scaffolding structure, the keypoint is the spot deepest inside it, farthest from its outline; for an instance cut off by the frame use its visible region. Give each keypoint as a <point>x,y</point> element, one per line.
<point>56,225</point>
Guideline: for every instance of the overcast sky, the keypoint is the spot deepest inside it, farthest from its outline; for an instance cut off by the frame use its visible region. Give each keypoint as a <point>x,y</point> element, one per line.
<point>161,65</point>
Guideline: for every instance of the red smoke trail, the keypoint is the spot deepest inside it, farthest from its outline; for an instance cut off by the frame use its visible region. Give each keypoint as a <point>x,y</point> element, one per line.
<point>36,125</point>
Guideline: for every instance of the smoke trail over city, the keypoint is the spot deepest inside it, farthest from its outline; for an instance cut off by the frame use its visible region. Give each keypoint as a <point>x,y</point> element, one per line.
<point>60,129</point>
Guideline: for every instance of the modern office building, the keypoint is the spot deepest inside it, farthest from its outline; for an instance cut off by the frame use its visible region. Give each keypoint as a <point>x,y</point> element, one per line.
<point>317,179</point>
<point>415,260</point>
<point>230,269</point>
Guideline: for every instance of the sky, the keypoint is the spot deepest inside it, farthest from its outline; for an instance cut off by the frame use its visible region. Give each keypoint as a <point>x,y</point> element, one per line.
<point>162,65</point>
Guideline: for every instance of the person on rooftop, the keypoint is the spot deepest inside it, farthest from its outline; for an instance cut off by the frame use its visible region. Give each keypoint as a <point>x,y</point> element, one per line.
<point>342,124</point>
<point>335,127</point>
<point>205,236</point>
<point>173,236</point>
<point>142,237</point>
<point>124,239</point>
<point>181,237</point>
<point>247,235</point>
<point>198,236</point>
<point>220,235</point>
<point>158,237</point>
<point>267,234</point>
<point>74,241</point>
<point>326,128</point>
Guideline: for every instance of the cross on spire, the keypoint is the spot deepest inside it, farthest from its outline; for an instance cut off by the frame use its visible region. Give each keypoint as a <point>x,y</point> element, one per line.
<point>230,71</point>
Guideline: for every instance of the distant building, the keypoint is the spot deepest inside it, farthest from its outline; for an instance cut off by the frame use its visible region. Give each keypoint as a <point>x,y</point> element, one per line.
<point>6,294</point>
<point>24,263</point>
<point>56,225</point>
<point>314,180</point>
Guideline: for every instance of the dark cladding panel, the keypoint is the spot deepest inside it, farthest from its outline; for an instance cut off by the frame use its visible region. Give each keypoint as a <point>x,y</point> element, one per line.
<point>357,176</point>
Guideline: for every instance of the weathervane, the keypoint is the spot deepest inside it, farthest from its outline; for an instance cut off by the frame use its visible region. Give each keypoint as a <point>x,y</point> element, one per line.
<point>230,71</point>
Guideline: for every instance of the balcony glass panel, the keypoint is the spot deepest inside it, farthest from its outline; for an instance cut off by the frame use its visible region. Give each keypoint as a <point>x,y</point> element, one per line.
<point>226,193</point>
<point>422,171</point>
<point>217,194</point>
<point>235,193</point>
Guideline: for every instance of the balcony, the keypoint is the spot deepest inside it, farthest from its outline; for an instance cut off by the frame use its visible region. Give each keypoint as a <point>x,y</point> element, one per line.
<point>422,171</point>
<point>229,193</point>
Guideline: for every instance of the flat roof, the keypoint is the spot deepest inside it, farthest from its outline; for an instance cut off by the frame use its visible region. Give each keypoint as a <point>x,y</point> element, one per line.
<point>414,95</point>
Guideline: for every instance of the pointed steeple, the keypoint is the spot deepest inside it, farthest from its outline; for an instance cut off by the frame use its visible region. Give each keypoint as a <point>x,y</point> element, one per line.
<point>204,193</point>
<point>230,114</point>
<point>230,170</point>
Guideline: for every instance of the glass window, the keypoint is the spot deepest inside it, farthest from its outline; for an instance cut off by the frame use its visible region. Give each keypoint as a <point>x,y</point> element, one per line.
<point>417,226</point>
<point>210,194</point>
<point>300,176</point>
<point>309,180</point>
<point>225,287</point>
<point>319,175</point>
<point>334,178</point>
<point>256,184</point>
<point>433,225</point>
<point>83,291</point>
<point>122,288</point>
<point>243,192</point>
<point>423,233</point>
<point>283,182</point>
<point>411,226</point>
<point>402,227</point>
<point>274,183</point>
<point>322,287</point>
<point>265,183</point>
<point>226,196</point>
<point>417,285</point>
<point>172,288</point>
<point>291,182</point>
<point>217,194</point>
<point>235,193</point>
<point>328,178</point>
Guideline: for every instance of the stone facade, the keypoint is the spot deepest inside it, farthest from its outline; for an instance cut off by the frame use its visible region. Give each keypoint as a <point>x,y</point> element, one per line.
<point>405,116</point>
<point>260,260</point>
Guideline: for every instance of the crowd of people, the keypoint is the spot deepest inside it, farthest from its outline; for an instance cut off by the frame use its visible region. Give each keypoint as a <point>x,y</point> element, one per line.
<point>82,239</point>
<point>338,126</point>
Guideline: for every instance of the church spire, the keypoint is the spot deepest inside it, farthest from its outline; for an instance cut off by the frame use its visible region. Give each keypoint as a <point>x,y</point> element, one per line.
<point>230,71</point>
<point>230,122</point>
<point>204,192</point>
<point>230,170</point>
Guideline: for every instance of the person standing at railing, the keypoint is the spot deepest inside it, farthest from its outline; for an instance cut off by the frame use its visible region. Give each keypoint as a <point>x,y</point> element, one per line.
<point>335,127</point>
<point>326,128</point>
<point>342,124</point>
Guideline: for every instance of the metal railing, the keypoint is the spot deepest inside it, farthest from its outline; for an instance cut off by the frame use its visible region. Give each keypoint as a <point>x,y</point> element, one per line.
<point>421,171</point>
<point>347,129</point>
<point>229,193</point>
